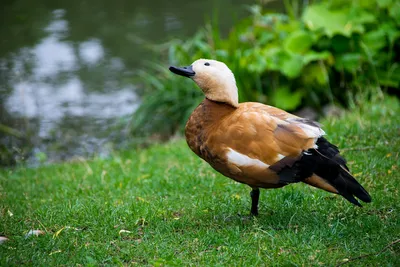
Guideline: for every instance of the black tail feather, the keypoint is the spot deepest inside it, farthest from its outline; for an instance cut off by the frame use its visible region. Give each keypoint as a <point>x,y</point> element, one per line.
<point>327,163</point>
<point>348,187</point>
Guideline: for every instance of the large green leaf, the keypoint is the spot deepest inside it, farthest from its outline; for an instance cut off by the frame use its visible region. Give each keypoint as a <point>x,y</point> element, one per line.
<point>298,42</point>
<point>291,65</point>
<point>360,16</point>
<point>319,16</point>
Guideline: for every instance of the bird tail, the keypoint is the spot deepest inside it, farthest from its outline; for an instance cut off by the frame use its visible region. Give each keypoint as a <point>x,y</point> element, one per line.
<point>349,188</point>
<point>328,171</point>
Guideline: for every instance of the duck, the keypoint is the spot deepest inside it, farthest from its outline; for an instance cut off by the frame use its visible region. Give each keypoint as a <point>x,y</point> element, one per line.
<point>260,145</point>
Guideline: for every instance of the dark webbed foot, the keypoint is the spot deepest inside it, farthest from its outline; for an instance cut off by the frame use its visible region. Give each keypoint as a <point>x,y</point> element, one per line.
<point>255,195</point>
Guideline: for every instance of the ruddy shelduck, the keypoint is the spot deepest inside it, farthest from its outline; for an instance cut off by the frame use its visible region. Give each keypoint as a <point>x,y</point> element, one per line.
<point>260,145</point>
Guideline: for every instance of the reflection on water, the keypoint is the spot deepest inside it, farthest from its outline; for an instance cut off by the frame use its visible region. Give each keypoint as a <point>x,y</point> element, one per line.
<point>66,67</point>
<point>42,101</point>
<point>37,97</point>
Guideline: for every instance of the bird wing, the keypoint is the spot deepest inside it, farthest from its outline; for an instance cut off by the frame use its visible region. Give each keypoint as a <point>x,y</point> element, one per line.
<point>269,134</point>
<point>256,137</point>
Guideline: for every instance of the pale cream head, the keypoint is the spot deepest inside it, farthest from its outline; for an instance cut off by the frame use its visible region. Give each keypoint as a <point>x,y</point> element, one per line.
<point>216,80</point>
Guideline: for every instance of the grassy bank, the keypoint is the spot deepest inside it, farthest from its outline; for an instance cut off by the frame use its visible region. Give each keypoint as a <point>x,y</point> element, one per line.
<point>164,206</point>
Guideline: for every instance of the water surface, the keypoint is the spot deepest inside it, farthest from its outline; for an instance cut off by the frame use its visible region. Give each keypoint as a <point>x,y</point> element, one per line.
<point>67,67</point>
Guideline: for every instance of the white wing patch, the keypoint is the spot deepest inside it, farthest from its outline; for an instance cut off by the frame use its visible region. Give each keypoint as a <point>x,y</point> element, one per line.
<point>310,130</point>
<point>280,156</point>
<point>243,160</point>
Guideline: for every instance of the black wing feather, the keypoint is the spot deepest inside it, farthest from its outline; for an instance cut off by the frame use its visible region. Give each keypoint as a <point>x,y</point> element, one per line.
<point>326,162</point>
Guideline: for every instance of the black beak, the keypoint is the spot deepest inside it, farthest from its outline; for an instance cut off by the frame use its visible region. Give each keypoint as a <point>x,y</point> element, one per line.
<point>184,71</point>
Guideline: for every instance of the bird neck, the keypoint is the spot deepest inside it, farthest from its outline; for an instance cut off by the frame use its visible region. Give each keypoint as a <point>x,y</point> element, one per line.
<point>228,95</point>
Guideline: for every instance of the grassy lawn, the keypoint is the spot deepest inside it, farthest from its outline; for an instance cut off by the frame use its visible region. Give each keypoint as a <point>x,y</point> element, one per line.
<point>164,206</point>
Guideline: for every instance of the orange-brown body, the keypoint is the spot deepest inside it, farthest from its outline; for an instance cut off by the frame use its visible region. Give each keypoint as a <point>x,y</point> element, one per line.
<point>251,129</point>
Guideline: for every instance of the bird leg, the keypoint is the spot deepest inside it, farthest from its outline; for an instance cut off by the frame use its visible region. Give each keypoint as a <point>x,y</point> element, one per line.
<point>254,194</point>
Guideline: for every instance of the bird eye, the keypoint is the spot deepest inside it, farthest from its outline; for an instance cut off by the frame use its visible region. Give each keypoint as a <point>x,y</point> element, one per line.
<point>207,64</point>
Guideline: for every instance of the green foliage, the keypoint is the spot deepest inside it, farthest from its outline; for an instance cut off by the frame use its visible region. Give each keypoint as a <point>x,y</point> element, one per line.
<point>165,206</point>
<point>166,105</point>
<point>335,49</point>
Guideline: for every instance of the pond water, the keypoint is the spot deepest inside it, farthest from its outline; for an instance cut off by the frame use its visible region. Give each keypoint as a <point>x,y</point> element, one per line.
<point>66,69</point>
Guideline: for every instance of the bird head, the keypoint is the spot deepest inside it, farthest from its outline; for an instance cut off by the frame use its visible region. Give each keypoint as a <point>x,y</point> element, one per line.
<point>214,78</point>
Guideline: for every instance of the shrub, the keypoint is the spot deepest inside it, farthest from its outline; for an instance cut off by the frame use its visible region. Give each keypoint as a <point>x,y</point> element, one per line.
<point>335,49</point>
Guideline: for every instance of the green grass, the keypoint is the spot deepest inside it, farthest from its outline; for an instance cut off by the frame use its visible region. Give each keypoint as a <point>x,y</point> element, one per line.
<point>181,212</point>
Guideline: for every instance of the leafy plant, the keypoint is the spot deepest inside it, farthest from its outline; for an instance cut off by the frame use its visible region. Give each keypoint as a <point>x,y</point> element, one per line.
<point>334,49</point>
